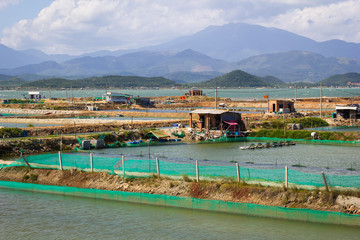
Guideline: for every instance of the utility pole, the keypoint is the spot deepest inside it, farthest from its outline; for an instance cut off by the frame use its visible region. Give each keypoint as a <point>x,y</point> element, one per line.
<point>320,100</point>
<point>295,93</point>
<point>215,97</point>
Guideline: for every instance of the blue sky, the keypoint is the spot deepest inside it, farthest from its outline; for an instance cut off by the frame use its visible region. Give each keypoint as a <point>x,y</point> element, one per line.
<point>78,26</point>
<point>14,11</point>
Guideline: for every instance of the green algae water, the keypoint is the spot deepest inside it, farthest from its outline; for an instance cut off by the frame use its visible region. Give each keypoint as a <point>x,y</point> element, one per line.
<point>29,215</point>
<point>313,157</point>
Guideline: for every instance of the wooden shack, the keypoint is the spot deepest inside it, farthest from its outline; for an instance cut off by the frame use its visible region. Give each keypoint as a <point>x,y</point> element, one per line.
<point>195,92</point>
<point>348,111</point>
<point>214,119</point>
<point>283,106</point>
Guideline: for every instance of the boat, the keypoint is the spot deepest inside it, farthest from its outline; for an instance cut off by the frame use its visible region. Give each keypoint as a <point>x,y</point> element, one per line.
<point>266,145</point>
<point>252,146</point>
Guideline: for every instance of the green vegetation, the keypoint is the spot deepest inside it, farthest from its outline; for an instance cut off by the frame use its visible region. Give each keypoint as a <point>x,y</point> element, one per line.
<point>301,134</point>
<point>102,82</point>
<point>11,132</point>
<point>341,79</point>
<point>280,123</point>
<point>240,78</point>
<point>10,81</point>
<point>309,122</point>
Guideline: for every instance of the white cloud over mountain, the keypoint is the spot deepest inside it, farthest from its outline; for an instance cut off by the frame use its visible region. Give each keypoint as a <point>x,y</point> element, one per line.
<point>339,20</point>
<point>77,26</point>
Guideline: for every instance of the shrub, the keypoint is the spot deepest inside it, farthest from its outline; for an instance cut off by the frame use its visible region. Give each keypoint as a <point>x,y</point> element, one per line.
<point>33,177</point>
<point>186,178</point>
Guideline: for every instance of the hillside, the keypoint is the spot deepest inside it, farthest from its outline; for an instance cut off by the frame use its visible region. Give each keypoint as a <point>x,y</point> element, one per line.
<point>342,80</point>
<point>102,82</point>
<point>240,78</point>
<point>296,66</point>
<point>10,81</point>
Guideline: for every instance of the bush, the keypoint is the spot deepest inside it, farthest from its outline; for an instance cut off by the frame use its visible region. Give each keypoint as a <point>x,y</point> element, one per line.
<point>11,132</point>
<point>309,122</point>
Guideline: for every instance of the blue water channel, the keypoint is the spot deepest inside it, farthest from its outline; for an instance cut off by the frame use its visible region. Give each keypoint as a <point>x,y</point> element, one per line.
<point>27,215</point>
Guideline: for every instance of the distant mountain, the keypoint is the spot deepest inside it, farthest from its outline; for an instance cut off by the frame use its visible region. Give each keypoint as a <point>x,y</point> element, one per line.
<point>102,82</point>
<point>10,58</point>
<point>298,66</point>
<point>229,42</point>
<point>5,77</point>
<point>191,77</point>
<point>140,63</point>
<point>348,79</point>
<point>237,41</point>
<point>240,78</point>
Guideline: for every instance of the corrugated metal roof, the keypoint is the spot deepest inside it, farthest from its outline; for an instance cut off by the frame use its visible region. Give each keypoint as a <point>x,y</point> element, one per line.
<point>346,108</point>
<point>209,111</point>
<point>159,134</point>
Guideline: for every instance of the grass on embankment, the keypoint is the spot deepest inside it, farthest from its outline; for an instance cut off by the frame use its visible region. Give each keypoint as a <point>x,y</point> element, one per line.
<point>304,134</point>
<point>225,190</point>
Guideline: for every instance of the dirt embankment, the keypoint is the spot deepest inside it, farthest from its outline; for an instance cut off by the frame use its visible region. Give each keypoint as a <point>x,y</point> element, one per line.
<point>218,190</point>
<point>105,127</point>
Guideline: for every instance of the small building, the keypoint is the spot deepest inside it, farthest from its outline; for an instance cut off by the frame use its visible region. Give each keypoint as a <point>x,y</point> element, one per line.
<point>118,97</point>
<point>141,101</point>
<point>351,111</point>
<point>282,106</point>
<point>35,96</point>
<point>214,119</point>
<point>194,92</point>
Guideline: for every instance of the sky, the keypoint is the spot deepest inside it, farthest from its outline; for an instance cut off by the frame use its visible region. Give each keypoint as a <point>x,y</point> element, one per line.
<point>80,26</point>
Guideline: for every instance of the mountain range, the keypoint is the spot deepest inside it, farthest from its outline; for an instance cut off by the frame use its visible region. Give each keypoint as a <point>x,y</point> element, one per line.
<point>204,55</point>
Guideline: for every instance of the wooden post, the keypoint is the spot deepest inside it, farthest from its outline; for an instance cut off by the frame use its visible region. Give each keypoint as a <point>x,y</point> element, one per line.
<point>190,121</point>
<point>326,186</point>
<point>60,161</point>
<point>320,100</point>
<point>286,177</point>
<point>157,167</point>
<point>91,162</point>
<point>238,172</point>
<point>123,165</point>
<point>215,97</point>
<point>61,142</point>
<point>197,171</point>
<point>26,162</point>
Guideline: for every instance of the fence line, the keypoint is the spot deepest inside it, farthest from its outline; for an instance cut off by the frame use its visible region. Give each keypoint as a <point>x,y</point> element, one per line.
<point>140,168</point>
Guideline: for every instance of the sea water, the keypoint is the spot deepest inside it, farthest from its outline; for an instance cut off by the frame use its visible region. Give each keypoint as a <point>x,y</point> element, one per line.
<point>236,93</point>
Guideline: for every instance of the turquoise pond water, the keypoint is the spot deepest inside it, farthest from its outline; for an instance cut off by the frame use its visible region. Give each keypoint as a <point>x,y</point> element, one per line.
<point>315,158</point>
<point>27,215</point>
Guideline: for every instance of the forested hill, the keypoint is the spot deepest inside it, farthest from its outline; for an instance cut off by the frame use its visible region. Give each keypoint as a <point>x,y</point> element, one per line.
<point>342,80</point>
<point>102,82</point>
<point>240,78</point>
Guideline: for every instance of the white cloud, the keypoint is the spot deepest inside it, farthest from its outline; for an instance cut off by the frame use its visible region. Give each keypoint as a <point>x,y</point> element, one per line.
<point>77,26</point>
<point>339,20</point>
<point>5,3</point>
<point>83,25</point>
